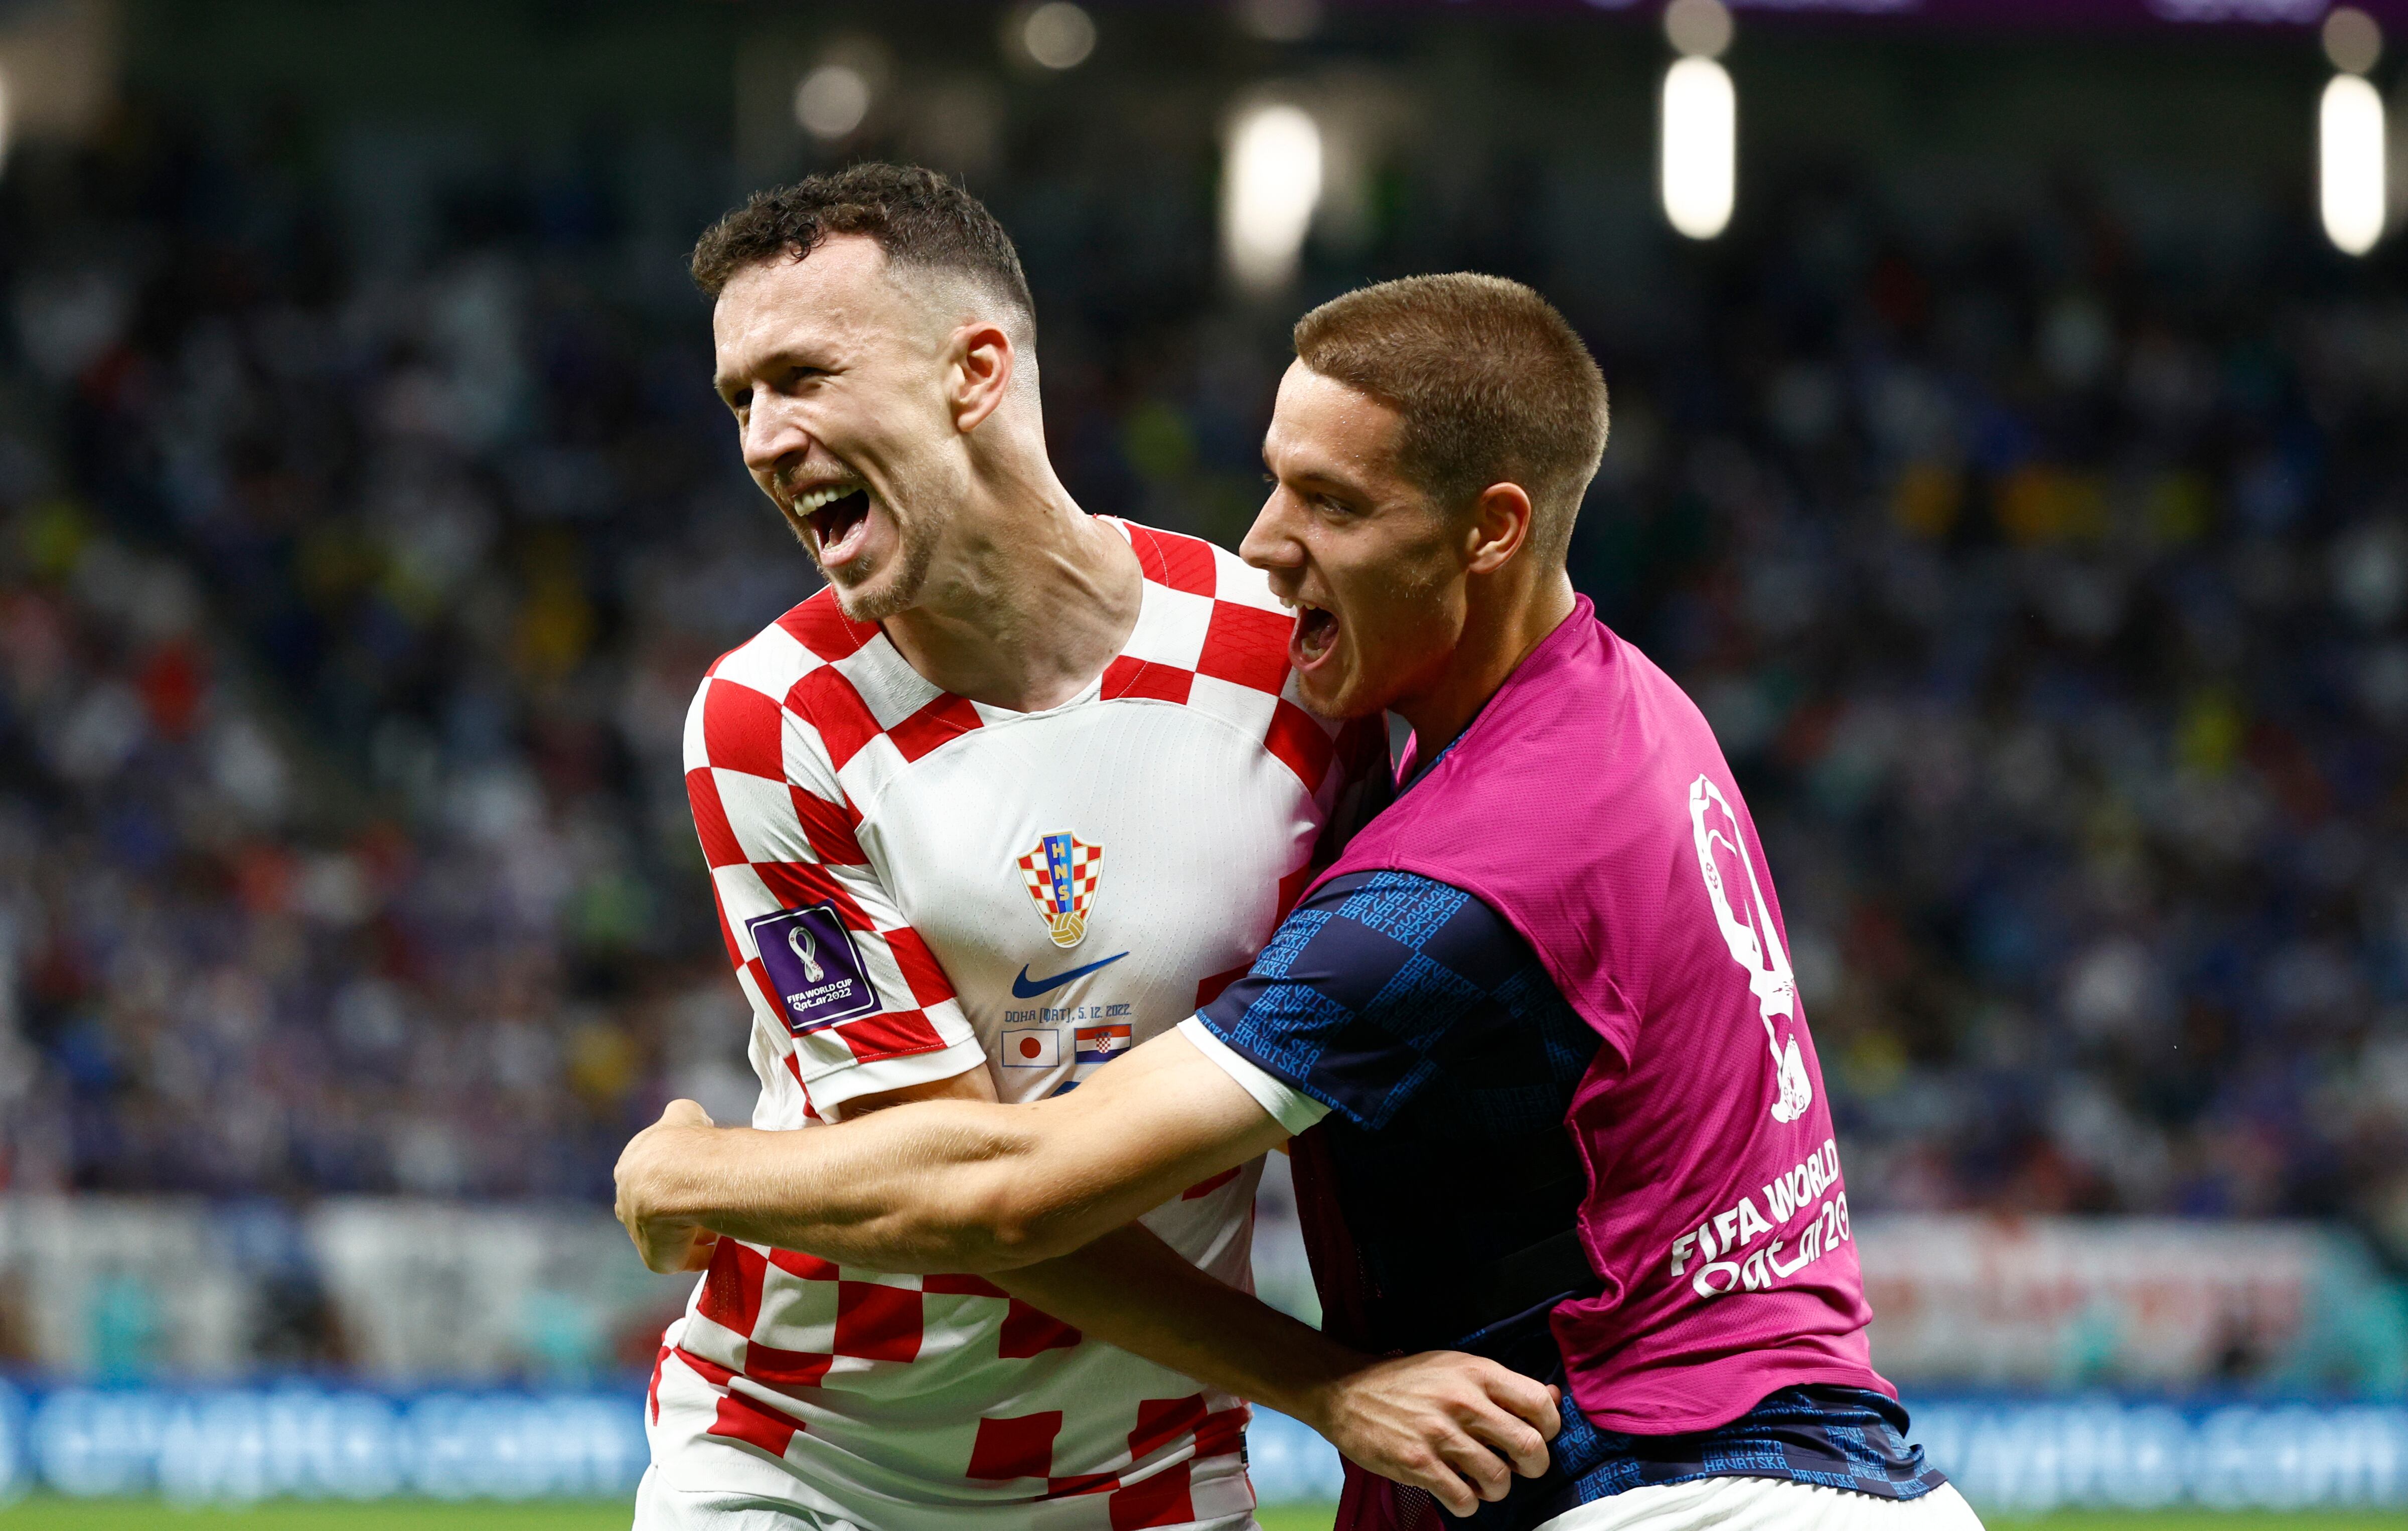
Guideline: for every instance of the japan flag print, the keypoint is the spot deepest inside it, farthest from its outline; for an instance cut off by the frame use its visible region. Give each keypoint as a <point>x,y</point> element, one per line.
<point>1032,1046</point>
<point>1746,919</point>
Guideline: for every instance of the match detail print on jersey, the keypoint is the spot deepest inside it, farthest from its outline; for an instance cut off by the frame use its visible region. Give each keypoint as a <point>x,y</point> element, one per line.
<point>1061,873</point>
<point>1747,930</point>
<point>813,966</point>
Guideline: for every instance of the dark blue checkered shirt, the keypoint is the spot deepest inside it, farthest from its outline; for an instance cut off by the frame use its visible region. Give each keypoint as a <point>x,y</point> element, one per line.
<point>1448,1059</point>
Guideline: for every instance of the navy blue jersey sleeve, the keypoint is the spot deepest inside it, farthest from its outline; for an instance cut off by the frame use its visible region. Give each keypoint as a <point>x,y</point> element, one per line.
<point>1369,984</point>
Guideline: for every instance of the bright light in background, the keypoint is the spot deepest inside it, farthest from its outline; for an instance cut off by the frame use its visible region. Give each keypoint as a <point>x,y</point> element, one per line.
<point>1270,185</point>
<point>831,101</point>
<point>1058,34</point>
<point>1700,127</point>
<point>2353,182</point>
<point>2350,170</point>
<point>1700,130</point>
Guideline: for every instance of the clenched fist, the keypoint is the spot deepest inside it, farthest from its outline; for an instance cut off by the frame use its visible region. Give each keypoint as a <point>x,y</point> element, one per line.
<point>666,1242</point>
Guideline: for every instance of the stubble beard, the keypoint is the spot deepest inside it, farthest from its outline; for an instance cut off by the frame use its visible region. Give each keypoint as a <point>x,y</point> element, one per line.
<point>863,597</point>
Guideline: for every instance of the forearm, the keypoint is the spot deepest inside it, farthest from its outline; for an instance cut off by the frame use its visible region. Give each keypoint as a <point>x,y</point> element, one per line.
<point>954,1184</point>
<point>1455,1425</point>
<point>917,1188</point>
<point>1131,1290</point>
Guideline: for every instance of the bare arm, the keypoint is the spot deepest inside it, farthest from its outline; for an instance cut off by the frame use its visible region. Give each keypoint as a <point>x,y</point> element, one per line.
<point>670,1243</point>
<point>955,1184</point>
<point>1455,1425</point>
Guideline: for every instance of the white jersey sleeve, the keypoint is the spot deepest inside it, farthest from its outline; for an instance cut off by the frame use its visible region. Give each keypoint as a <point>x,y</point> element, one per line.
<point>851,1000</point>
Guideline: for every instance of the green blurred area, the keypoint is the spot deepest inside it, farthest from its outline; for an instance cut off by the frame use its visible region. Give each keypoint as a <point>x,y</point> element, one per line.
<point>47,1514</point>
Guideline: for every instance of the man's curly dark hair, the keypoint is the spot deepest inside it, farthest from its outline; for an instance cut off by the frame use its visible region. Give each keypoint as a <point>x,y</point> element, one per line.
<point>919,218</point>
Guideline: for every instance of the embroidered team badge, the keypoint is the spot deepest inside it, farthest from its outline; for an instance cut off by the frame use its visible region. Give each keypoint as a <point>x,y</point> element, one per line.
<point>1061,874</point>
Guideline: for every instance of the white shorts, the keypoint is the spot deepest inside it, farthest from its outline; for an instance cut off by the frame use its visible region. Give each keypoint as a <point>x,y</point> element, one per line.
<point>661,1508</point>
<point>1765,1504</point>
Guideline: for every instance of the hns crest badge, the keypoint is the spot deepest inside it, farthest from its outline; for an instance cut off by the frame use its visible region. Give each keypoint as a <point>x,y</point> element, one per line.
<point>1061,875</point>
<point>815,974</point>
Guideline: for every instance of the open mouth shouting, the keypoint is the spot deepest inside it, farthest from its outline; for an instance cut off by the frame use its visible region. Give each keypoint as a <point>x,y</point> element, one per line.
<point>1316,634</point>
<point>837,515</point>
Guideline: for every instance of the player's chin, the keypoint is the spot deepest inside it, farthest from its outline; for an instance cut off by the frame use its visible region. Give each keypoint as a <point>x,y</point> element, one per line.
<point>1337,690</point>
<point>871,593</point>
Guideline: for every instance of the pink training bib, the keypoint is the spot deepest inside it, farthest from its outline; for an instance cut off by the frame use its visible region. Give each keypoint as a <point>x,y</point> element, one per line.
<point>1589,804</point>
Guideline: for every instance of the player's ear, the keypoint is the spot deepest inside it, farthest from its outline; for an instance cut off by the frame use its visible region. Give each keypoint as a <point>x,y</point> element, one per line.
<point>981,372</point>
<point>1499,526</point>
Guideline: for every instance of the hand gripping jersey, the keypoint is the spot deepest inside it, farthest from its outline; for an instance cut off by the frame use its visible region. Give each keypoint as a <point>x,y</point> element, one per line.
<point>912,885</point>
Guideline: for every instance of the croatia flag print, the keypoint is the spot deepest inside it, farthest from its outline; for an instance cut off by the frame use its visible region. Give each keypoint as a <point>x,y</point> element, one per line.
<point>1102,1044</point>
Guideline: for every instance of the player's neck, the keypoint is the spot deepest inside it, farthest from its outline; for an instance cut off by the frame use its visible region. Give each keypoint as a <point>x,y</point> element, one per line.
<point>1500,629</point>
<point>1030,599</point>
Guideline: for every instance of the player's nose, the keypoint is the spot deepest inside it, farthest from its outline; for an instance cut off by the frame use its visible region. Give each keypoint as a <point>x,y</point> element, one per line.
<point>774,436</point>
<point>1271,543</point>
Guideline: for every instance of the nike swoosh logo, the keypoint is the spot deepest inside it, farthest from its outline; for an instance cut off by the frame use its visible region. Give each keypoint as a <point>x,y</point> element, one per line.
<point>1023,989</point>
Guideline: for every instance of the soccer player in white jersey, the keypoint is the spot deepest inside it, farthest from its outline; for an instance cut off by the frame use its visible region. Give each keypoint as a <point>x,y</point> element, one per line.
<point>1020,789</point>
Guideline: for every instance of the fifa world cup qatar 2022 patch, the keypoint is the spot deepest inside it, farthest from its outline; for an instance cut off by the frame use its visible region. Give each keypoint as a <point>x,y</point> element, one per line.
<point>815,970</point>
<point>1061,875</point>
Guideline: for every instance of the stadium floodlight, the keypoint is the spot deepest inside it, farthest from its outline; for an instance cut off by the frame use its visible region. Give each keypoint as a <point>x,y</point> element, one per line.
<point>1058,34</point>
<point>2351,180</point>
<point>1270,183</point>
<point>831,101</point>
<point>1700,147</point>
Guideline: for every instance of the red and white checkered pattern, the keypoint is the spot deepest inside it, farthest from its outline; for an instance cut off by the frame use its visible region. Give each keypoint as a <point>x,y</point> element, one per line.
<point>1215,639</point>
<point>1158,1461</point>
<point>823,769</point>
<point>777,830</point>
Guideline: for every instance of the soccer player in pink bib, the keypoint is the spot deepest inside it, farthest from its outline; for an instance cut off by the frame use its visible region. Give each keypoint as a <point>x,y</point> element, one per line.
<point>1536,1026</point>
<point>1020,789</point>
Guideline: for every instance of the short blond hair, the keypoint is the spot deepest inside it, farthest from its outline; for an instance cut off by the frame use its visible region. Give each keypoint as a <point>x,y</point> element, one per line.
<point>1493,384</point>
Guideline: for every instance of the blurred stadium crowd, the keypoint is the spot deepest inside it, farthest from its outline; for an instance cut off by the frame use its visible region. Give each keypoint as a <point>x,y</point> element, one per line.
<point>359,553</point>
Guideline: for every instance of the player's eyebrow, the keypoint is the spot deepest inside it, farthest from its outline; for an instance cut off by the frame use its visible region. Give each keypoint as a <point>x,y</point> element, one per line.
<point>777,361</point>
<point>1319,477</point>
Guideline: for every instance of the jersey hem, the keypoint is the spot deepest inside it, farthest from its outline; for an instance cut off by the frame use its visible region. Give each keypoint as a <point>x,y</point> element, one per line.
<point>1837,1374</point>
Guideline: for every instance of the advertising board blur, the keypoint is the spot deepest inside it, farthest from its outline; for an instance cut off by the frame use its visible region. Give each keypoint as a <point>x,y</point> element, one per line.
<point>362,1348</point>
<point>2160,1304</point>
<point>403,1293</point>
<point>301,1442</point>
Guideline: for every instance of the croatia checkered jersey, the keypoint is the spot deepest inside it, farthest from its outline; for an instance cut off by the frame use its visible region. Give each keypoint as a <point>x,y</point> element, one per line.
<point>911,884</point>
